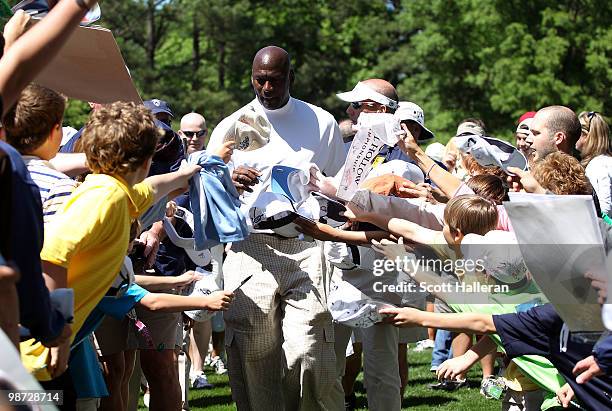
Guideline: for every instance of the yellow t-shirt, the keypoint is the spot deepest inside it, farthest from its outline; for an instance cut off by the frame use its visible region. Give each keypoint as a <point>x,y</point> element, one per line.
<point>90,236</point>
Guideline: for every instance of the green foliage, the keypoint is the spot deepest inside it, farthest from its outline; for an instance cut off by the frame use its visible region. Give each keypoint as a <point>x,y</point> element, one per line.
<point>466,58</point>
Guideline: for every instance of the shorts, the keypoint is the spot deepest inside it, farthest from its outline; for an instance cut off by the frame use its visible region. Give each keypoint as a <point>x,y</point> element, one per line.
<point>112,335</point>
<point>165,329</point>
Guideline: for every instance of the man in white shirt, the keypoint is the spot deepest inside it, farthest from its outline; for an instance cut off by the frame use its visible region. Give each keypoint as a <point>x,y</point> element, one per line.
<point>279,332</point>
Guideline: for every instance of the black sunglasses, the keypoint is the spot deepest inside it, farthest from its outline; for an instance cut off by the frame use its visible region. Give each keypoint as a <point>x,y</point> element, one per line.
<point>190,134</point>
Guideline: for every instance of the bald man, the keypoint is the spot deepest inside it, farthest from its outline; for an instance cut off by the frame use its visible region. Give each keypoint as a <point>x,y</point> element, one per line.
<point>554,128</point>
<point>279,333</point>
<point>193,130</point>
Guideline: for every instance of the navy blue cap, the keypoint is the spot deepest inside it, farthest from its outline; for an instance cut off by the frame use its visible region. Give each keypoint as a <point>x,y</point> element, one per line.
<point>158,106</point>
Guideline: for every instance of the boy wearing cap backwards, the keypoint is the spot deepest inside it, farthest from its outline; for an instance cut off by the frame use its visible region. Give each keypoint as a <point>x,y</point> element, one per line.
<point>85,244</point>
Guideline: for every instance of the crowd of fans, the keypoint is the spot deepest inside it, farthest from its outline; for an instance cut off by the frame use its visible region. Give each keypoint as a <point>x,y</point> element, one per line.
<point>107,232</point>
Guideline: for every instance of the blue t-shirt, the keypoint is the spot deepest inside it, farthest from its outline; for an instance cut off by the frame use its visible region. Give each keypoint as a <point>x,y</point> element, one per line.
<point>36,311</point>
<point>537,332</point>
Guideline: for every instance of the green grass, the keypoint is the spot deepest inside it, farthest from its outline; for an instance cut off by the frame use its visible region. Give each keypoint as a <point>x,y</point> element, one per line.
<point>417,397</point>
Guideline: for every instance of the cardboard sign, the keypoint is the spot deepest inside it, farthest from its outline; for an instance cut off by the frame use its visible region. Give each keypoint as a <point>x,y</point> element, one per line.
<point>560,241</point>
<point>90,68</point>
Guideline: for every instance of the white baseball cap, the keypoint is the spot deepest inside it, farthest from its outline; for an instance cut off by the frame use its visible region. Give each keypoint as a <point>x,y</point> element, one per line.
<point>401,168</point>
<point>409,111</point>
<point>200,258</point>
<point>362,92</point>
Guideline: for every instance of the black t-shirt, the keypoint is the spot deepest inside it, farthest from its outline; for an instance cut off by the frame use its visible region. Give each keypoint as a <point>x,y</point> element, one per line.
<point>538,332</point>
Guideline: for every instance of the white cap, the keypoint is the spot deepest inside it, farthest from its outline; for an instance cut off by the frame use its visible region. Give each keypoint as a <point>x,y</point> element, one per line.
<point>436,151</point>
<point>500,253</point>
<point>200,258</point>
<point>67,133</point>
<point>469,128</point>
<point>410,111</point>
<point>490,151</point>
<point>350,307</point>
<point>361,92</point>
<point>250,131</point>
<point>401,168</point>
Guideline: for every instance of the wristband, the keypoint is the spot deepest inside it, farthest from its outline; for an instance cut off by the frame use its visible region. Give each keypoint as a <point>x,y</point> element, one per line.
<point>429,171</point>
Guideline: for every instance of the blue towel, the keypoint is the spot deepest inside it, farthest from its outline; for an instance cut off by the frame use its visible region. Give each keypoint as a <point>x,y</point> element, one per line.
<point>214,203</point>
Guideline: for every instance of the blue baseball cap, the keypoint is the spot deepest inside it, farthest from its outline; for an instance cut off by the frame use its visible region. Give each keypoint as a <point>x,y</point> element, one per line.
<point>158,106</point>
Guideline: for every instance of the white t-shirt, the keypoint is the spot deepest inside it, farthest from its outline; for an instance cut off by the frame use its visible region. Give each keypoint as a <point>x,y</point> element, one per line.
<point>301,134</point>
<point>599,173</point>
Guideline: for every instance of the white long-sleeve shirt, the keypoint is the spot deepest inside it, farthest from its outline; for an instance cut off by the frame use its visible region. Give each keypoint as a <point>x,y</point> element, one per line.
<point>599,173</point>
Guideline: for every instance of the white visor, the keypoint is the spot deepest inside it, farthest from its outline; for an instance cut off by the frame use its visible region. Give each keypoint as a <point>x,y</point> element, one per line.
<point>362,92</point>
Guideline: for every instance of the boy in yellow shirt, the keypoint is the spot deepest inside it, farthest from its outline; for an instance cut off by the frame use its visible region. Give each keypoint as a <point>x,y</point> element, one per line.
<point>86,242</point>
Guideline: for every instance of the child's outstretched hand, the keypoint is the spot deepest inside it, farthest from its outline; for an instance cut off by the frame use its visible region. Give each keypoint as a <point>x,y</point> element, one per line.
<point>400,317</point>
<point>450,369</point>
<point>219,300</point>
<point>225,151</point>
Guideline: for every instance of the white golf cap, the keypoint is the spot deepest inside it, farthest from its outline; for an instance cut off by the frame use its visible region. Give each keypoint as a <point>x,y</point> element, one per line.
<point>401,168</point>
<point>361,92</point>
<point>409,111</point>
<point>200,258</point>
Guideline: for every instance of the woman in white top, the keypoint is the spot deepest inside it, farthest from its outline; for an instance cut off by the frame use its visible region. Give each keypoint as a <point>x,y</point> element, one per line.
<point>595,148</point>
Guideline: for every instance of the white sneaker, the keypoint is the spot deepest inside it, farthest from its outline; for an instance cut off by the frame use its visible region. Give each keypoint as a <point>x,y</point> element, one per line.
<point>219,366</point>
<point>145,399</point>
<point>424,345</point>
<point>207,360</point>
<point>201,381</point>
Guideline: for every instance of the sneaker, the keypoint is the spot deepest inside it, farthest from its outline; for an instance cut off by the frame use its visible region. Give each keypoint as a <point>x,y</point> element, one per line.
<point>219,366</point>
<point>207,360</point>
<point>146,398</point>
<point>201,381</point>
<point>492,387</point>
<point>350,402</point>
<point>424,345</point>
<point>449,385</point>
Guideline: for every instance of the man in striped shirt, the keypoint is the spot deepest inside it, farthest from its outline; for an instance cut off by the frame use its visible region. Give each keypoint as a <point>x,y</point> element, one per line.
<point>34,127</point>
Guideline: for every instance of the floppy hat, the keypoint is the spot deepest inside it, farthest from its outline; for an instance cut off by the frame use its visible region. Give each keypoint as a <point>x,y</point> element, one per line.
<point>410,111</point>
<point>200,258</point>
<point>362,92</point>
<point>250,131</point>
<point>500,253</point>
<point>158,106</point>
<point>490,151</point>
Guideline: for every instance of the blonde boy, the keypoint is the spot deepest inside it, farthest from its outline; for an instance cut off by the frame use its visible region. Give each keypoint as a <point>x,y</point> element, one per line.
<point>86,242</point>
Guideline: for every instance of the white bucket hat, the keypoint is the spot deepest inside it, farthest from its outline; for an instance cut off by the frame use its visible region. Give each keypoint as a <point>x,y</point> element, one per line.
<point>409,111</point>
<point>361,92</point>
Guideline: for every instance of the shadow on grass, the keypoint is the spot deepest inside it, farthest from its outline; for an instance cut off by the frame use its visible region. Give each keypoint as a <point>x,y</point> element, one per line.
<point>203,402</point>
<point>431,400</point>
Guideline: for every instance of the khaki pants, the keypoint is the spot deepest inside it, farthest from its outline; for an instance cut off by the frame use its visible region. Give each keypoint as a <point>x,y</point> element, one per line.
<point>380,364</point>
<point>279,337</point>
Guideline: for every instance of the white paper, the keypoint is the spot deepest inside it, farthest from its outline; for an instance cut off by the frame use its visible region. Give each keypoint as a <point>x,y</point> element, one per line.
<point>560,241</point>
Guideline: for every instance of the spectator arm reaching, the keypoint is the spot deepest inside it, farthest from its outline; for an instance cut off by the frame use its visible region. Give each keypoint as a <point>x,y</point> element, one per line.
<point>461,322</point>
<point>34,49</point>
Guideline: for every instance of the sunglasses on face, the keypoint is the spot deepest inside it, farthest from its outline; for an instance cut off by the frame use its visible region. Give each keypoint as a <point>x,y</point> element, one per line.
<point>191,134</point>
<point>359,104</point>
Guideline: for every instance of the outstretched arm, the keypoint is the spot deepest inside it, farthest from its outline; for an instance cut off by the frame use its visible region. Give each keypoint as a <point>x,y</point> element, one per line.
<point>462,322</point>
<point>32,51</point>
<point>447,182</point>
